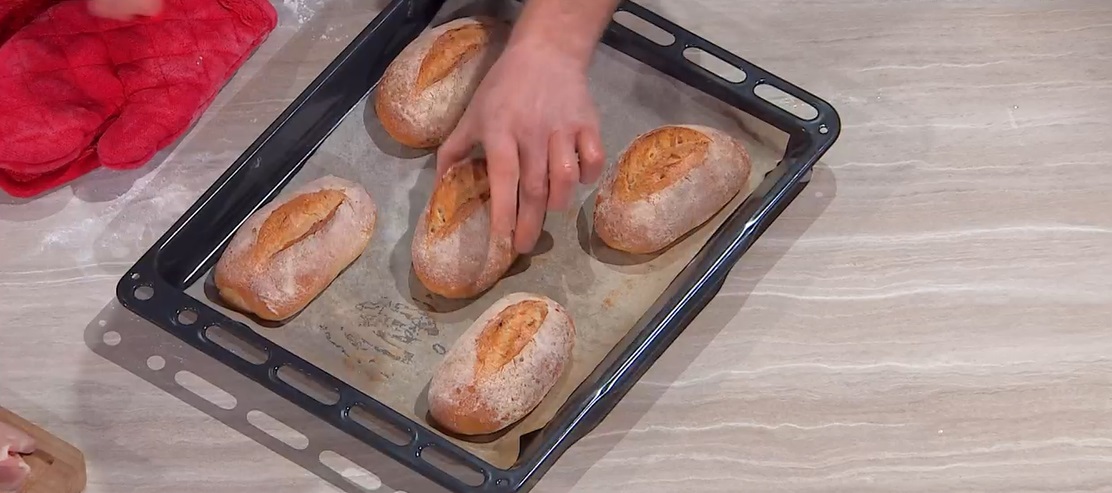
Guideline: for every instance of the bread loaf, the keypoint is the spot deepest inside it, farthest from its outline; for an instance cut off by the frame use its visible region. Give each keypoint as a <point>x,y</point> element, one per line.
<point>666,183</point>
<point>502,366</point>
<point>453,254</point>
<point>424,91</point>
<point>290,250</point>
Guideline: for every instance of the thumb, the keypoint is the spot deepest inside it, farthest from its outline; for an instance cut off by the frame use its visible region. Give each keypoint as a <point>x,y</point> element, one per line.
<point>455,148</point>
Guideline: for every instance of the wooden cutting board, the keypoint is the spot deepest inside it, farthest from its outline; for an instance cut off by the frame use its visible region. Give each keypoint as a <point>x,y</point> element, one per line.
<point>56,466</point>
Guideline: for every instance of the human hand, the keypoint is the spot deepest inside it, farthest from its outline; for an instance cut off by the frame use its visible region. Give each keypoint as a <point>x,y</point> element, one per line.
<point>124,9</point>
<point>537,124</point>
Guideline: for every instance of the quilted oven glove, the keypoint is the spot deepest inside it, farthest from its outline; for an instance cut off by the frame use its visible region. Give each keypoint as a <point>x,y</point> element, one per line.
<point>14,14</point>
<point>78,92</point>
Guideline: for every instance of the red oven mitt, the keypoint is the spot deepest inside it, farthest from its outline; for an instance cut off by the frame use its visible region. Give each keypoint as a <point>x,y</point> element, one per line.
<point>14,14</point>
<point>78,92</point>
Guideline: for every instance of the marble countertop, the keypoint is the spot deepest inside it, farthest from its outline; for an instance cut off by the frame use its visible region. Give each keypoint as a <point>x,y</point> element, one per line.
<point>931,314</point>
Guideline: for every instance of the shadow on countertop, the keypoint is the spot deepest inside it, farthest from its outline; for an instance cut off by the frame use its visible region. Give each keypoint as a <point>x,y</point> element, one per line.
<point>239,403</point>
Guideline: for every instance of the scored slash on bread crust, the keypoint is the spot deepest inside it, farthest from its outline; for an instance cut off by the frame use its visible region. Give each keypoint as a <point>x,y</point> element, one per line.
<point>502,366</point>
<point>466,189</point>
<point>658,159</point>
<point>290,250</point>
<point>666,183</point>
<point>450,50</point>
<point>453,254</point>
<point>506,335</point>
<point>425,90</point>
<point>296,220</point>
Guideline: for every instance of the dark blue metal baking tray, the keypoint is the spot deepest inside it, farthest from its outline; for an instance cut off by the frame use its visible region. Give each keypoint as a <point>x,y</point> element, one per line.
<point>154,288</point>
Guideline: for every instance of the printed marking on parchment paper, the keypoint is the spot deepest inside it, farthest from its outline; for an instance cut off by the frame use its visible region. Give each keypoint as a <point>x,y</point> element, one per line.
<point>399,324</point>
<point>362,360</point>
<point>396,322</point>
<point>359,365</point>
<point>353,342</point>
<point>399,332</point>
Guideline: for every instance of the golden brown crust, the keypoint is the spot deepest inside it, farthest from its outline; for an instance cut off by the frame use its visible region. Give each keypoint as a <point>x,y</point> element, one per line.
<point>453,253</point>
<point>489,380</point>
<point>462,191</point>
<point>424,91</point>
<point>235,299</point>
<point>395,125</point>
<point>668,182</point>
<point>450,50</point>
<point>290,250</point>
<point>657,160</point>
<point>506,334</point>
<point>295,220</point>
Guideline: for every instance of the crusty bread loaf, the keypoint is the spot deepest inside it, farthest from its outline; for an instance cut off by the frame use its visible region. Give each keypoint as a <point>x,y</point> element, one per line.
<point>502,366</point>
<point>453,255</point>
<point>424,91</point>
<point>667,182</point>
<point>291,249</point>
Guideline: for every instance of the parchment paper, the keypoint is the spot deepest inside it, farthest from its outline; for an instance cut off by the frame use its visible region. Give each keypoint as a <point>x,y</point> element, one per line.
<point>377,329</point>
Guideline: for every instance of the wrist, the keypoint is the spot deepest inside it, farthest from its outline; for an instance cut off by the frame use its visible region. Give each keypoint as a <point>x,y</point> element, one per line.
<point>569,29</point>
<point>552,49</point>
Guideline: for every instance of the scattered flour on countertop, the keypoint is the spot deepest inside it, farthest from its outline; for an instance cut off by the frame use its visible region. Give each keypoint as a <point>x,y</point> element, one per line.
<point>74,237</point>
<point>143,221</point>
<point>299,11</point>
<point>121,229</point>
<point>81,221</point>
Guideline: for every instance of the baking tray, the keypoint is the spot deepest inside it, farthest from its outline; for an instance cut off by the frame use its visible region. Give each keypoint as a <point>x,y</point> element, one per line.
<point>158,287</point>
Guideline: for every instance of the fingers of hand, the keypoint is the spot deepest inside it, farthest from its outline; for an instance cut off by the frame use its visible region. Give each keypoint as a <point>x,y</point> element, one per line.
<point>591,156</point>
<point>533,196</point>
<point>503,171</point>
<point>563,170</point>
<point>455,148</point>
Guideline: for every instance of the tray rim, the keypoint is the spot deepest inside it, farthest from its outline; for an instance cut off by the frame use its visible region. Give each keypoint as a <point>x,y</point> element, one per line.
<point>808,142</point>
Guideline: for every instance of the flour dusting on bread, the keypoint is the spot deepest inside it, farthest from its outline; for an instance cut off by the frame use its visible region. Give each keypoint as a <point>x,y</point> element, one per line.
<point>425,90</point>
<point>667,182</point>
<point>288,251</point>
<point>503,366</point>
